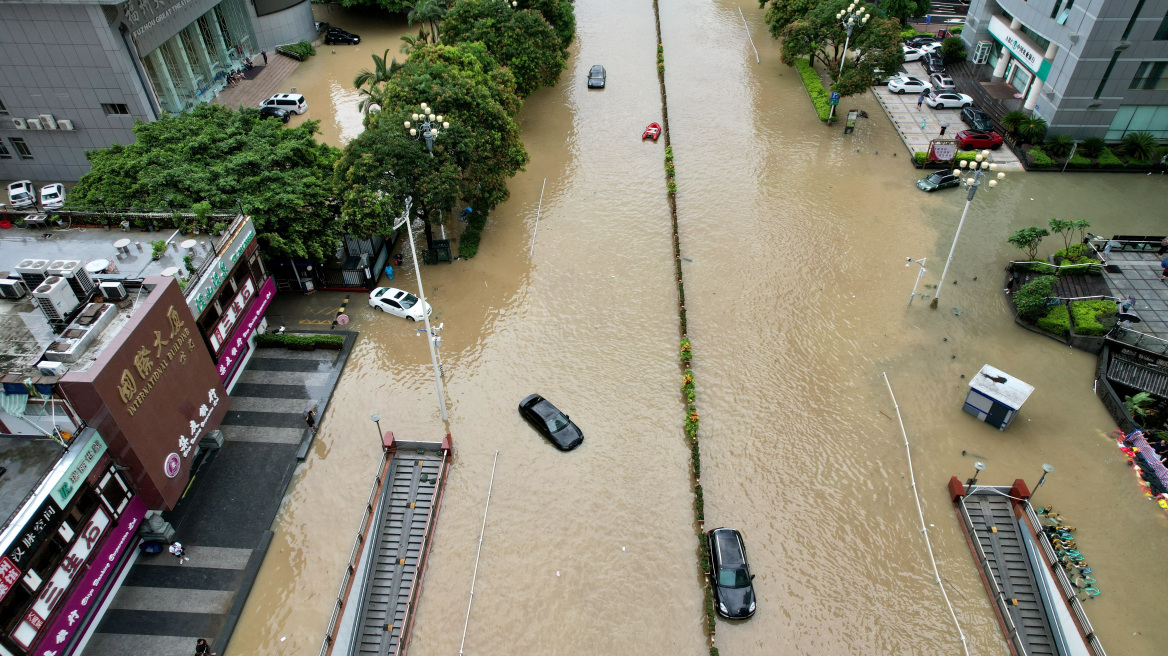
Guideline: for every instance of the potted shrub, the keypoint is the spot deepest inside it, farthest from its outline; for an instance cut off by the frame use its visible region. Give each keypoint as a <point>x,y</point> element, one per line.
<point>300,342</point>
<point>159,247</point>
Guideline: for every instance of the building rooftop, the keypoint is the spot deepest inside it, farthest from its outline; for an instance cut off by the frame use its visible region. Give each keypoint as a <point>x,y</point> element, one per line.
<point>26,461</point>
<point>93,244</point>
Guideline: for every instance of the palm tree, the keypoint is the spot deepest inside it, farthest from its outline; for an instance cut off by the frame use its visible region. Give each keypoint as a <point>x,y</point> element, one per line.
<point>375,81</point>
<point>409,41</point>
<point>427,11</point>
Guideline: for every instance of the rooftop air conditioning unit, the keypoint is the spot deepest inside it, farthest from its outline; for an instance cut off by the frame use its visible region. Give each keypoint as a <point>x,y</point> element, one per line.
<point>32,272</point>
<point>55,298</point>
<point>12,288</point>
<point>50,368</point>
<point>19,123</point>
<point>75,273</point>
<point>113,291</point>
<point>48,122</point>
<point>34,123</point>
<point>65,124</point>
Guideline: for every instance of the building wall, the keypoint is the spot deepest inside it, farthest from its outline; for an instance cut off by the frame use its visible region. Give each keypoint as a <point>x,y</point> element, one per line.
<point>289,25</point>
<point>64,60</point>
<point>1072,101</point>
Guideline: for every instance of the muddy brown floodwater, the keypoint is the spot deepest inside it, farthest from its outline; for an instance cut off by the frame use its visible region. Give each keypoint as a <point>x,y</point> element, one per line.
<point>794,236</point>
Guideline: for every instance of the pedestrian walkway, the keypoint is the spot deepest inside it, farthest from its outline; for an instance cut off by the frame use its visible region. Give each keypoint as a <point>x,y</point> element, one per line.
<point>224,520</point>
<point>1137,274</point>
<point>269,81</point>
<point>918,126</point>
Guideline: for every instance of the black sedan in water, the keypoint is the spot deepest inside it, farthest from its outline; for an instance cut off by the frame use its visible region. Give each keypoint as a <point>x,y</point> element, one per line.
<point>550,422</point>
<point>596,77</point>
<point>730,574</point>
<point>337,36</point>
<point>278,113</point>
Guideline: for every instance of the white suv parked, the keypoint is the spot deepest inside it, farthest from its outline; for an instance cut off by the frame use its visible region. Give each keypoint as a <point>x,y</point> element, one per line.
<point>292,102</point>
<point>21,194</point>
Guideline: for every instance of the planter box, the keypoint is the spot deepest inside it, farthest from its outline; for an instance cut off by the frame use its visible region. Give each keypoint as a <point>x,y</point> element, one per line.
<point>1089,343</point>
<point>333,347</point>
<point>305,347</point>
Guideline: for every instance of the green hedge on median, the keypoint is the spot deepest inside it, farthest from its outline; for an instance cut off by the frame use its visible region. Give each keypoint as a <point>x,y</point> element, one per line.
<point>1057,321</point>
<point>819,95</point>
<point>468,243</point>
<point>1087,313</point>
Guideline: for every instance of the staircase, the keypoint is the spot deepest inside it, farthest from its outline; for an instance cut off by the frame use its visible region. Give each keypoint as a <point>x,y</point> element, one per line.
<point>999,536</point>
<point>400,541</point>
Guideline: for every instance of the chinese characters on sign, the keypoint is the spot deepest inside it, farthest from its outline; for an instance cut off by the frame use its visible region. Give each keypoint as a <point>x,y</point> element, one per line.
<point>238,345</point>
<point>213,279</point>
<point>185,444</point>
<point>150,365</point>
<point>231,315</point>
<point>41,526</point>
<point>54,588</point>
<point>9,575</point>
<point>82,462</point>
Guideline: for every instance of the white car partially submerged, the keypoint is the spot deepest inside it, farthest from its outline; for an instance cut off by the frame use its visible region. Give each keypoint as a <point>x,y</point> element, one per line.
<point>53,196</point>
<point>399,303</point>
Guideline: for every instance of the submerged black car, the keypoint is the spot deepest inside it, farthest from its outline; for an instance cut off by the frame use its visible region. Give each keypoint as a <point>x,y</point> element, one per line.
<point>596,77</point>
<point>549,421</point>
<point>275,112</point>
<point>335,35</point>
<point>730,574</point>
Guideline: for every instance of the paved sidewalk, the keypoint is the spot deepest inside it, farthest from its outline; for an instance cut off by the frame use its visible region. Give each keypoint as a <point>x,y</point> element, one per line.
<point>906,118</point>
<point>269,81</point>
<point>224,520</point>
<point>1139,277</point>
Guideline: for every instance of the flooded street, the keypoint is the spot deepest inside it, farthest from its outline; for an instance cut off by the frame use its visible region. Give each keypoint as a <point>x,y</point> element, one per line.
<point>796,295</point>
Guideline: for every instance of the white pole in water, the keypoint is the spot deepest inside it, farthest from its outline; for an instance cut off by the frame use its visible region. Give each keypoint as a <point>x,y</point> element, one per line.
<point>756,60</point>
<point>425,315</point>
<point>920,275</point>
<point>477,554</point>
<point>537,211</point>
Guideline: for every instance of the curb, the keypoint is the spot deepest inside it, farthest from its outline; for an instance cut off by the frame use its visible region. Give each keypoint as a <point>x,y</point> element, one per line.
<point>250,572</point>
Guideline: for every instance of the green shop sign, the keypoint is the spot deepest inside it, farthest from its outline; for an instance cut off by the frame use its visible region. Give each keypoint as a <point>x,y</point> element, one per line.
<point>81,459</point>
<point>199,296</point>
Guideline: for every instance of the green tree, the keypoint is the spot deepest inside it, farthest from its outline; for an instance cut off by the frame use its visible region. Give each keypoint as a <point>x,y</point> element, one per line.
<point>820,37</point>
<point>410,41</point>
<point>903,9</point>
<point>371,83</point>
<point>560,14</point>
<point>1065,229</point>
<point>282,176</point>
<point>520,39</point>
<point>781,13</point>
<point>1059,145</point>
<point>390,6</point>
<point>1033,129</point>
<point>953,50</point>
<point>1028,240</point>
<point>481,148</point>
<point>429,12</point>
<point>1141,146</point>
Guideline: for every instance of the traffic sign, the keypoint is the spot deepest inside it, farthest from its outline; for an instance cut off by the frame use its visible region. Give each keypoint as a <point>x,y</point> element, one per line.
<point>834,99</point>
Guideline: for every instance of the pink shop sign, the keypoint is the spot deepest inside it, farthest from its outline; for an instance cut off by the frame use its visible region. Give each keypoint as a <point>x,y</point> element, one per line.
<point>235,348</point>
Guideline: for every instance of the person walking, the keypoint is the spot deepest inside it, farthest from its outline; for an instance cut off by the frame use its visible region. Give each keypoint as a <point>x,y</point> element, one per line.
<point>265,54</point>
<point>179,552</point>
<point>1163,246</point>
<point>920,99</point>
<point>944,126</point>
<point>310,419</point>
<point>202,648</point>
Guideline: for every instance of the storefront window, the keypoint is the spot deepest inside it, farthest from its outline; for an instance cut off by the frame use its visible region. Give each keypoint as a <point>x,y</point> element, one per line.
<point>1021,78</point>
<point>1139,118</point>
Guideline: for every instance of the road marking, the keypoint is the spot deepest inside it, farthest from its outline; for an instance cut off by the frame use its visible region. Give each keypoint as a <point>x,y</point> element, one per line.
<point>315,322</point>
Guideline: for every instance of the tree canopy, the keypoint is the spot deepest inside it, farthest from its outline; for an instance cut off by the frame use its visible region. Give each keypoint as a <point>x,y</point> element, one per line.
<point>473,158</point>
<point>520,39</point>
<point>781,13</point>
<point>820,36</point>
<point>903,9</point>
<point>560,14</point>
<point>282,176</point>
<point>391,6</point>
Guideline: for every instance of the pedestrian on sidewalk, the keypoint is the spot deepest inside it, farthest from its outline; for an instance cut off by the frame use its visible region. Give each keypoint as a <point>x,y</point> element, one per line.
<point>179,552</point>
<point>1164,265</point>
<point>202,648</point>
<point>265,54</point>
<point>920,99</point>
<point>310,419</point>
<point>944,126</point>
<point>1163,243</point>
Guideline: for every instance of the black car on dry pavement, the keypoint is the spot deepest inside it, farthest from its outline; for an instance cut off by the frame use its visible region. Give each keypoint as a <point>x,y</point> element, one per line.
<point>977,119</point>
<point>730,574</point>
<point>550,422</point>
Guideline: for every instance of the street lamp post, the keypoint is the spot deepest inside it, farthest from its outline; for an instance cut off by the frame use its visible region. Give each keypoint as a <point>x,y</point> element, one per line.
<point>1046,469</point>
<point>977,467</point>
<point>980,168</point>
<point>847,19</point>
<point>430,335</point>
<point>377,420</point>
<point>920,263</point>
<point>425,125</point>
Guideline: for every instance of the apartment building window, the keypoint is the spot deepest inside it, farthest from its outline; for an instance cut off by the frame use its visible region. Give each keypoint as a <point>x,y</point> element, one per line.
<point>1150,77</point>
<point>4,152</point>
<point>115,108</point>
<point>21,148</point>
<point>1161,34</point>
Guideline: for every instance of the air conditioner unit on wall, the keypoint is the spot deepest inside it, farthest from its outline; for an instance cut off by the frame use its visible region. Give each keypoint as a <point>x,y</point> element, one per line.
<point>48,122</point>
<point>65,124</point>
<point>19,123</point>
<point>10,288</point>
<point>34,123</point>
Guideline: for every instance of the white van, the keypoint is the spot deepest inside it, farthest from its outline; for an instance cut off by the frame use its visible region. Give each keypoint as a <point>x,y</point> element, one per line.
<point>292,102</point>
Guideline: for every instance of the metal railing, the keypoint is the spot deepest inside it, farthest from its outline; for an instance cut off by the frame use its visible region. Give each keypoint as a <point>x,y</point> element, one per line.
<point>1135,338</point>
<point>1056,269</point>
<point>354,556</point>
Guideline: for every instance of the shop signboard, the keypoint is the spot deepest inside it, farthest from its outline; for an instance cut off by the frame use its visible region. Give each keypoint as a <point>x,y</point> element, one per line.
<point>238,346</point>
<point>9,575</point>
<point>154,392</point>
<point>87,597</point>
<point>231,315</point>
<point>1023,49</point>
<point>199,296</point>
<point>151,22</point>
<point>46,520</point>
<point>53,589</point>
<point>80,464</point>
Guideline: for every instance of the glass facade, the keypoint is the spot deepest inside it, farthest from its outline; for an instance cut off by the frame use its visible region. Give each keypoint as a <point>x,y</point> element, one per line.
<point>1139,118</point>
<point>191,67</point>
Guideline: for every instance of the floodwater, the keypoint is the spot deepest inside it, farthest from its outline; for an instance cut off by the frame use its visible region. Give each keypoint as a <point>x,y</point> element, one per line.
<point>794,236</point>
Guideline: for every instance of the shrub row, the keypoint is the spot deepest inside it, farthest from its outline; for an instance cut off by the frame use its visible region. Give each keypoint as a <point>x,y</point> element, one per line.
<point>1057,321</point>
<point>819,95</point>
<point>299,51</point>
<point>468,243</point>
<point>1086,316</point>
<point>299,341</point>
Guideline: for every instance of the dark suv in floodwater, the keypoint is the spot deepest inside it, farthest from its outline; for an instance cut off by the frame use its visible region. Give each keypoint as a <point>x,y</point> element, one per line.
<point>730,574</point>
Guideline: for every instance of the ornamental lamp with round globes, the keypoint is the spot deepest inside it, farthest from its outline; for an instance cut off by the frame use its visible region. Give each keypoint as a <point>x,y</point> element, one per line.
<point>413,132</point>
<point>445,125</point>
<point>986,153</point>
<point>866,17</point>
<point>956,173</point>
<point>1001,176</point>
<point>439,118</point>
<point>963,163</point>
<point>993,167</point>
<point>851,20</point>
<point>993,183</point>
<point>407,125</point>
<point>414,116</point>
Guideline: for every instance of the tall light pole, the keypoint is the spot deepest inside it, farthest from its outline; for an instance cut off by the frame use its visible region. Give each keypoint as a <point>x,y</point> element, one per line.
<point>920,263</point>
<point>428,123</point>
<point>377,420</point>
<point>431,337</point>
<point>847,19</point>
<point>980,168</point>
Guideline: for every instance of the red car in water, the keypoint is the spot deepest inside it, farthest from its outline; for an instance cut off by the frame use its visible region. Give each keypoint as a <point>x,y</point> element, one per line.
<point>970,139</point>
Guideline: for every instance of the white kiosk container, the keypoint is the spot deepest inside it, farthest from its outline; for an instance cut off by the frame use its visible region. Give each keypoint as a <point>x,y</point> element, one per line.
<point>995,397</point>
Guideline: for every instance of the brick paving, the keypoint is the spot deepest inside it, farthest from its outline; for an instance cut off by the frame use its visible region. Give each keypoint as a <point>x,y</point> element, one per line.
<point>269,81</point>
<point>1139,277</point>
